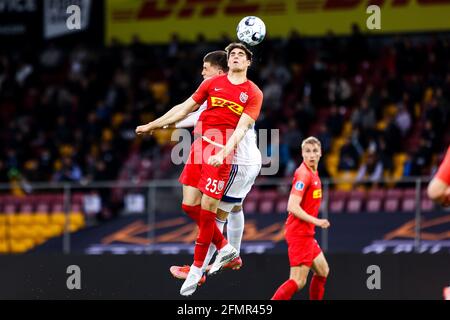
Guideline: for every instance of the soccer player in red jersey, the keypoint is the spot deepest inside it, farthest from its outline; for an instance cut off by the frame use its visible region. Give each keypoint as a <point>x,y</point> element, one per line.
<point>233,105</point>
<point>303,206</point>
<point>439,187</point>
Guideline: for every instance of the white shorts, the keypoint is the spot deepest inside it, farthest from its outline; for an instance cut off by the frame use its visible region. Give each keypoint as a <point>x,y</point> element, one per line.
<point>239,185</point>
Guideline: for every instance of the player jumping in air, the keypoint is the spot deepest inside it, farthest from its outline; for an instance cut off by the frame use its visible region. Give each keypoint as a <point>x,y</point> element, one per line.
<point>303,206</point>
<point>233,105</point>
<point>246,167</point>
<point>439,187</point>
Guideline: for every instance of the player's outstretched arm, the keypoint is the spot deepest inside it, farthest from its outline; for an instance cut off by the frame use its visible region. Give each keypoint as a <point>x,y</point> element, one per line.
<point>175,114</point>
<point>191,119</point>
<point>439,192</point>
<point>296,210</point>
<point>244,124</point>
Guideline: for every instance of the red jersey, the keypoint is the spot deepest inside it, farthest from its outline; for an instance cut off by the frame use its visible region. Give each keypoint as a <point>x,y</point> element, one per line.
<point>307,185</point>
<point>225,104</point>
<point>444,169</point>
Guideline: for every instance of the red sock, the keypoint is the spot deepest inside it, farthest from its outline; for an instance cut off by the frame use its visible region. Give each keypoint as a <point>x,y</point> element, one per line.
<point>218,239</point>
<point>192,211</point>
<point>208,231</point>
<point>286,290</point>
<point>317,287</point>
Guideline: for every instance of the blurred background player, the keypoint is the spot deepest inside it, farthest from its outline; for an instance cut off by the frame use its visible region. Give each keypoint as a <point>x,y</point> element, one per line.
<point>439,187</point>
<point>303,207</point>
<point>246,167</point>
<point>234,104</point>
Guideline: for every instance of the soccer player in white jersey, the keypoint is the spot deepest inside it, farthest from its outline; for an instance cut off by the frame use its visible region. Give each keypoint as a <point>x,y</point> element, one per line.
<point>246,167</point>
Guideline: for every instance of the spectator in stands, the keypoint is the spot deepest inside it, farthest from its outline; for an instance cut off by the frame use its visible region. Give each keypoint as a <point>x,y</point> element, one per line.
<point>79,96</point>
<point>335,121</point>
<point>69,171</point>
<point>325,139</point>
<point>272,93</point>
<point>363,118</point>
<point>421,159</point>
<point>403,120</point>
<point>348,158</point>
<point>371,170</point>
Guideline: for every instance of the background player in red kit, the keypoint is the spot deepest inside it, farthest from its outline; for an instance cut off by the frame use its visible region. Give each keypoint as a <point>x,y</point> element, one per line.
<point>233,105</point>
<point>439,187</point>
<point>303,206</point>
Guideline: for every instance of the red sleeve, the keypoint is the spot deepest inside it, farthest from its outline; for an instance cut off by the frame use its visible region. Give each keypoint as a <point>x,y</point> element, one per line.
<point>253,107</point>
<point>444,169</point>
<point>300,183</point>
<point>202,93</point>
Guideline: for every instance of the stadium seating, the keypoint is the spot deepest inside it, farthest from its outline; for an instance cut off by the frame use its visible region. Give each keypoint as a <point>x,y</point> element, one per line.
<point>337,201</point>
<point>374,200</point>
<point>31,220</point>
<point>355,201</point>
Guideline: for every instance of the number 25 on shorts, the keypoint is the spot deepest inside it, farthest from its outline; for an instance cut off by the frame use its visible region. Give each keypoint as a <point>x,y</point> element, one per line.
<point>214,186</point>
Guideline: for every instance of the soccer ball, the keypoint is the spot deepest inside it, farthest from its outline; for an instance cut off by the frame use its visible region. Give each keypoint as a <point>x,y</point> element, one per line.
<point>251,30</point>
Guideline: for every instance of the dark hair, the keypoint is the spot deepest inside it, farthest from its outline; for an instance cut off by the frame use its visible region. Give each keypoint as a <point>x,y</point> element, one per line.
<point>217,59</point>
<point>241,46</point>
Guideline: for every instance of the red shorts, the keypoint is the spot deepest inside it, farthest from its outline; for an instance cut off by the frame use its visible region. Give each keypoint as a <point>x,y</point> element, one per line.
<point>198,174</point>
<point>302,250</point>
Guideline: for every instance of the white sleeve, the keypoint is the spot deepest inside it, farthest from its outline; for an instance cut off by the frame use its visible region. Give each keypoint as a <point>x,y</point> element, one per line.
<point>191,119</point>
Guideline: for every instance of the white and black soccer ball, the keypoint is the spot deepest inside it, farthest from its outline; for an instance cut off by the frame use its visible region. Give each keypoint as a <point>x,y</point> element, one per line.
<point>251,30</point>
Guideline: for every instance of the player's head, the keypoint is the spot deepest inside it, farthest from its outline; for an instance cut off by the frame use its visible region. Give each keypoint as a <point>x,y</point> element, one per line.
<point>214,63</point>
<point>311,151</point>
<point>239,57</point>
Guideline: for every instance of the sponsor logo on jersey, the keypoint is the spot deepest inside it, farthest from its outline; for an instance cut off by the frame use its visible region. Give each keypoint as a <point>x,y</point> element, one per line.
<point>299,186</point>
<point>243,97</point>
<point>219,102</point>
<point>317,194</point>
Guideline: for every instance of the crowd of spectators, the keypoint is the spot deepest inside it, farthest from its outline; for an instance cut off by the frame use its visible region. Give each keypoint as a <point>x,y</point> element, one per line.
<point>69,113</point>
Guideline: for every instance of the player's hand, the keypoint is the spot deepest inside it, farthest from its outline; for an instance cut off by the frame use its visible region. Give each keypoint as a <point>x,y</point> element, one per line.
<point>446,198</point>
<point>145,129</point>
<point>216,160</point>
<point>323,223</point>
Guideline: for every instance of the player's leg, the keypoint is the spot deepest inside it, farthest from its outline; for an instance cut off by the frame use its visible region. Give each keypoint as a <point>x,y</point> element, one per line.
<point>221,218</point>
<point>235,227</point>
<point>301,253</point>
<point>321,270</point>
<point>240,186</point>
<point>191,202</point>
<point>209,232</point>
<point>296,282</point>
<point>190,178</point>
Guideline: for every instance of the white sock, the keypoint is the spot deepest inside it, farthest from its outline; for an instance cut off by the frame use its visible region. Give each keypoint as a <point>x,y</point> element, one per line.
<point>212,248</point>
<point>235,229</point>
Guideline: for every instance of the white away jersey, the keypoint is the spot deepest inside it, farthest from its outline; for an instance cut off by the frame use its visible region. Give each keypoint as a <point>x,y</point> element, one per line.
<point>247,152</point>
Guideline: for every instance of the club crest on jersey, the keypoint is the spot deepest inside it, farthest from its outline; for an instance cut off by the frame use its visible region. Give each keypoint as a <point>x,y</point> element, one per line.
<point>220,185</point>
<point>299,186</point>
<point>243,97</point>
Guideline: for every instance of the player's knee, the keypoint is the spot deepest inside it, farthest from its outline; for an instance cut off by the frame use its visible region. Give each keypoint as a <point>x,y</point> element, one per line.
<point>221,214</point>
<point>236,209</point>
<point>300,283</point>
<point>209,203</point>
<point>324,272</point>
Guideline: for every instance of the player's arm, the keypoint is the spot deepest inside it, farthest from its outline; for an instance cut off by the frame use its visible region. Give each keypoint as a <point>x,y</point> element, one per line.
<point>439,187</point>
<point>439,192</point>
<point>191,119</point>
<point>175,114</point>
<point>245,123</point>
<point>297,211</point>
